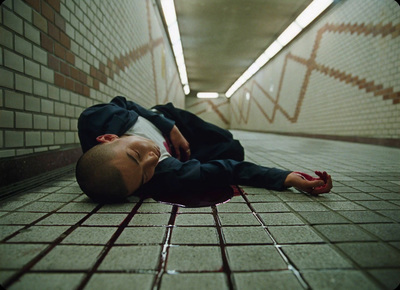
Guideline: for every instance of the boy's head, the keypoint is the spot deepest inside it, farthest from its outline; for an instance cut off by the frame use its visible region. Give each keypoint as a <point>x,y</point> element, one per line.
<point>117,167</point>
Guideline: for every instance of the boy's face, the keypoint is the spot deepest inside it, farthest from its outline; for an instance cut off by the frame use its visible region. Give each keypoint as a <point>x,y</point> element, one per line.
<point>136,159</point>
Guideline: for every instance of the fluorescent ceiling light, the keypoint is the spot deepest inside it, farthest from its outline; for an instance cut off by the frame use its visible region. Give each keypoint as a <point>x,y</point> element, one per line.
<point>174,34</point>
<point>169,12</point>
<point>289,33</point>
<point>305,18</point>
<point>183,76</point>
<point>177,48</point>
<point>273,49</point>
<point>312,11</point>
<point>168,8</point>
<point>262,59</point>
<point>186,89</point>
<point>207,95</point>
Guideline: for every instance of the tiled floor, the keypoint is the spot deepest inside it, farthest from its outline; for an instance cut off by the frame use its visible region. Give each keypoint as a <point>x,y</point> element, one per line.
<point>53,237</point>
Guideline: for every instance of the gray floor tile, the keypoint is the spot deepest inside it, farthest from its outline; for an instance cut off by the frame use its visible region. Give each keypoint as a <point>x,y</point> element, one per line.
<point>36,281</point>
<point>343,205</point>
<point>79,258</point>
<point>294,234</point>
<point>323,217</point>
<point>387,232</point>
<point>232,219</point>
<point>90,235</point>
<point>62,219</point>
<point>14,256</point>
<point>194,259</point>
<point>387,195</point>
<point>342,233</point>
<point>41,206</point>
<point>392,214</point>
<point>5,231</point>
<point>84,207</point>
<point>263,280</point>
<point>307,206</point>
<point>131,258</point>
<point>105,219</point>
<point>293,196</point>
<point>369,255</point>
<point>261,197</point>
<point>195,219</point>
<point>246,235</point>
<point>378,205</point>
<point>194,235</point>
<point>270,207</point>
<point>20,218</point>
<point>280,219</point>
<point>141,235</point>
<point>39,234</point>
<point>233,207</point>
<point>185,281</point>
<point>255,190</point>
<point>390,278</point>
<point>250,258</point>
<point>155,208</point>
<point>195,209</point>
<point>359,196</point>
<point>333,279</point>
<point>120,281</point>
<point>111,208</point>
<point>60,197</point>
<point>309,257</point>
<point>155,219</point>
<point>364,216</point>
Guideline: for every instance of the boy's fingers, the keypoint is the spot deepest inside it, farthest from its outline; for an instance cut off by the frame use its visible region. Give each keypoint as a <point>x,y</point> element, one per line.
<point>325,188</point>
<point>177,153</point>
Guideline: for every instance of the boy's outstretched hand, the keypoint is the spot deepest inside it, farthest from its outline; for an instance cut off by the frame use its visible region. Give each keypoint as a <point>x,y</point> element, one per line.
<point>308,184</point>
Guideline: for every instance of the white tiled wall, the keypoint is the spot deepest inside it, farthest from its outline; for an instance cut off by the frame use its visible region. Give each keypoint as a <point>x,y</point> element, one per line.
<point>58,57</point>
<point>341,77</point>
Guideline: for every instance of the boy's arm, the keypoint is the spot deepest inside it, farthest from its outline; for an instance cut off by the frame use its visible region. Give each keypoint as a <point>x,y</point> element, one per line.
<point>164,124</point>
<point>174,176</point>
<point>193,177</point>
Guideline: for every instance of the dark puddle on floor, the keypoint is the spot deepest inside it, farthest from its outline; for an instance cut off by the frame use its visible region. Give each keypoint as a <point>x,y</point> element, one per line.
<point>203,199</point>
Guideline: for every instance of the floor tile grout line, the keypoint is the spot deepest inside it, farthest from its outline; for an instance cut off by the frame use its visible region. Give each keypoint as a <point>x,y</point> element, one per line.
<point>350,222</point>
<point>109,245</point>
<point>48,249</point>
<point>330,243</point>
<point>337,249</point>
<point>343,254</point>
<point>165,249</point>
<point>291,267</point>
<point>18,209</point>
<point>222,245</point>
<point>54,211</point>
<point>355,264</point>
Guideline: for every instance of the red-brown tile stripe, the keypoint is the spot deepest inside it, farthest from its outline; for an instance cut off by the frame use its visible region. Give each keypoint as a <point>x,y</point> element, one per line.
<point>54,40</point>
<point>387,93</point>
<point>214,107</point>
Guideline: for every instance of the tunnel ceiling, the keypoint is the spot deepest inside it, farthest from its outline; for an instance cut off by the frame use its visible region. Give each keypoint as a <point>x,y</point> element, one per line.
<point>222,38</point>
